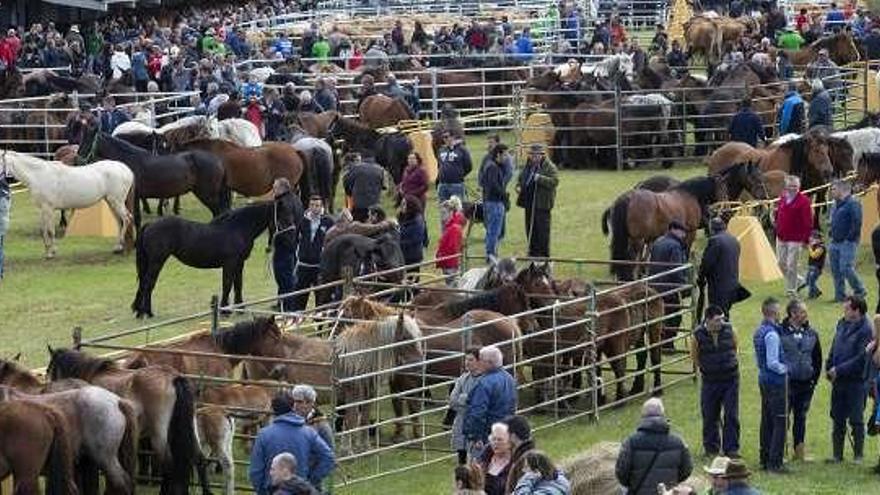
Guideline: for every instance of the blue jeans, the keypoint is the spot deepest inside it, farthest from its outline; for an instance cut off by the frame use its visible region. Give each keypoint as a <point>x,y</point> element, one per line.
<point>5,203</point>
<point>493,218</point>
<point>843,260</point>
<point>812,280</point>
<point>448,190</point>
<point>773,414</point>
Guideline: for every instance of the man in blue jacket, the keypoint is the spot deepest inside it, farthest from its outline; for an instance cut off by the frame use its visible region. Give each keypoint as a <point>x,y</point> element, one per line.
<point>845,230</point>
<point>821,110</point>
<point>791,113</point>
<point>289,433</point>
<point>492,182</point>
<point>746,126</point>
<point>847,370</point>
<point>492,399</point>
<point>772,377</point>
<point>672,249</point>
<point>453,165</point>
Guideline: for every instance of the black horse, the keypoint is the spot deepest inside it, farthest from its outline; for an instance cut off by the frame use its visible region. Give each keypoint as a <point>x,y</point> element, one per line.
<point>157,145</point>
<point>163,176</point>
<point>390,149</point>
<point>363,255</point>
<point>225,242</point>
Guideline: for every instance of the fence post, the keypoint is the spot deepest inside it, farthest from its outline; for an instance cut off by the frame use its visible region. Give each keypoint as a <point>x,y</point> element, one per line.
<point>46,133</point>
<point>592,354</point>
<point>865,75</point>
<point>434,109</point>
<point>555,360</point>
<point>617,126</point>
<point>215,315</point>
<point>348,281</point>
<point>76,337</point>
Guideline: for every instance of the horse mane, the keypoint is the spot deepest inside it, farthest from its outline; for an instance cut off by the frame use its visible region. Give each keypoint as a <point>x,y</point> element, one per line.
<point>701,188</point>
<point>11,369</point>
<point>233,216</point>
<point>370,335</point>
<point>30,160</point>
<point>240,339</point>
<point>487,299</point>
<point>124,145</point>
<point>354,128</point>
<point>68,363</point>
<point>799,155</point>
<point>374,309</point>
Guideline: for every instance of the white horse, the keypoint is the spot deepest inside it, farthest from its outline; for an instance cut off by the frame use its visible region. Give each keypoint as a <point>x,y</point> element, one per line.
<point>611,66</point>
<point>863,141</point>
<point>132,127</point>
<point>55,186</point>
<point>239,131</point>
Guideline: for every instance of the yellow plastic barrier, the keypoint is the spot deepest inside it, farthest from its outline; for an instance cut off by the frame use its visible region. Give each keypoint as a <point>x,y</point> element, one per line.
<point>869,214</point>
<point>94,221</point>
<point>757,260</point>
<point>422,144</point>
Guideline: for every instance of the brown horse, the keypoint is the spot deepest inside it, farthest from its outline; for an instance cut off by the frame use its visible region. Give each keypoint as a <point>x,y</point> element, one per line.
<point>251,171</point>
<point>35,438</point>
<point>377,111</point>
<point>315,124</point>
<point>501,331</point>
<point>314,356</point>
<point>103,431</point>
<point>163,401</point>
<point>17,376</point>
<point>807,156</point>
<point>45,129</point>
<point>188,364</point>
<point>841,49</point>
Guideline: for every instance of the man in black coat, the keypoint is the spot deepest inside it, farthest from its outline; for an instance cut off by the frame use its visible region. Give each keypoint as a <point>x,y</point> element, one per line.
<point>652,455</point>
<point>671,248</point>
<point>284,244</point>
<point>364,182</point>
<point>719,267</point>
<point>310,243</point>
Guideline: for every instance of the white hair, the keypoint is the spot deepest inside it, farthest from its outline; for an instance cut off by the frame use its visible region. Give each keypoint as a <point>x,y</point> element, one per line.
<point>492,354</point>
<point>817,85</point>
<point>500,426</point>
<point>285,459</point>
<point>792,180</point>
<point>653,407</point>
<point>304,392</point>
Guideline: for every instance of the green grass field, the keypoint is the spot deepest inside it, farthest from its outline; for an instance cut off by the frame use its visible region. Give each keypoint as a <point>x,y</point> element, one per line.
<point>40,301</point>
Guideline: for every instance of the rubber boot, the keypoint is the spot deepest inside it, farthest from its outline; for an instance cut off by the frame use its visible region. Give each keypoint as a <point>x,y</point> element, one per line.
<point>799,453</point>
<point>858,443</point>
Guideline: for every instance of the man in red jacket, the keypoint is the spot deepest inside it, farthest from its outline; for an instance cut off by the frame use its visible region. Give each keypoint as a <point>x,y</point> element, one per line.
<point>794,222</point>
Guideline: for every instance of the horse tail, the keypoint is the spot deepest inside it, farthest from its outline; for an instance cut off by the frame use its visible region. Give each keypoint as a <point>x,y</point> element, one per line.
<point>620,236</point>
<point>127,453</point>
<point>129,207</point>
<point>60,479</point>
<point>182,443</point>
<point>324,174</point>
<point>606,218</point>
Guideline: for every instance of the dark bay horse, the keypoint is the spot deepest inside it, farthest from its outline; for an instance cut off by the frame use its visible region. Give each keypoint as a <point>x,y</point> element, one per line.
<point>35,438</point>
<point>362,255</point>
<point>164,176</point>
<point>251,171</point>
<point>103,431</point>
<point>640,216</point>
<point>163,401</point>
<point>390,149</point>
<point>226,242</point>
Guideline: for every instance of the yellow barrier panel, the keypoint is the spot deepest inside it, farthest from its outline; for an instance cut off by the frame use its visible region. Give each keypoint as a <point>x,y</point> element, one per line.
<point>94,221</point>
<point>757,260</point>
<point>423,145</point>
<point>538,129</point>
<point>869,214</point>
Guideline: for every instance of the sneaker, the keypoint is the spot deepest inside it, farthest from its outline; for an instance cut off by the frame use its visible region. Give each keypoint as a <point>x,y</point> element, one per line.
<point>858,460</point>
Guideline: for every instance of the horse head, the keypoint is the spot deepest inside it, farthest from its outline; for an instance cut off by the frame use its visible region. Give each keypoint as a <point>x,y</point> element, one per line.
<point>843,49</point>
<point>407,331</point>
<point>841,152</point>
<point>536,282</point>
<point>818,154</point>
<point>384,254</point>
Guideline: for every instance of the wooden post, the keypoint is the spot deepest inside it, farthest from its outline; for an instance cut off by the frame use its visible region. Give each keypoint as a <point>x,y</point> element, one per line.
<point>76,336</point>
<point>215,315</point>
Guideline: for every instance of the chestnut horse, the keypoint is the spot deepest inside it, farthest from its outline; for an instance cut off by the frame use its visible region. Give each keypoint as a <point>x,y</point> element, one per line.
<point>377,111</point>
<point>35,438</point>
<point>163,401</point>
<point>251,171</point>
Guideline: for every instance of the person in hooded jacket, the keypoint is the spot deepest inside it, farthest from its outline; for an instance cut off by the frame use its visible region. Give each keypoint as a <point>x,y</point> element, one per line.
<point>802,354</point>
<point>652,455</point>
<point>451,238</point>
<point>413,234</point>
<point>541,477</point>
<point>288,432</point>
<point>719,267</point>
<point>791,115</point>
<point>523,444</point>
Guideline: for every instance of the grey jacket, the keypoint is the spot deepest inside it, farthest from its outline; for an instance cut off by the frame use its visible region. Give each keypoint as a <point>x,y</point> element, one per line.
<point>458,401</point>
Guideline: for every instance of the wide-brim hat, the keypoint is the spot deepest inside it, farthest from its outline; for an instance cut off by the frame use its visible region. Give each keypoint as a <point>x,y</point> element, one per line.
<point>736,469</point>
<point>718,466</point>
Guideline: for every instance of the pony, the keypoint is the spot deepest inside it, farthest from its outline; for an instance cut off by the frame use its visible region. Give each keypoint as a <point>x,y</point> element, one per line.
<point>378,110</point>
<point>238,131</point>
<point>322,174</point>
<point>639,216</point>
<point>807,156</point>
<point>34,438</point>
<point>164,176</point>
<point>841,48</point>
<point>862,141</point>
<point>54,186</point>
<point>103,431</point>
<point>390,149</point>
<point>226,242</point>
<point>362,255</point>
<point>251,171</point>
<point>163,402</point>
<point>216,431</point>
<point>346,353</point>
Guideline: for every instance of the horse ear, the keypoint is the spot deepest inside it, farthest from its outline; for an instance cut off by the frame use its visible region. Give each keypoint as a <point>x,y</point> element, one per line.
<point>49,348</point>
<point>17,357</point>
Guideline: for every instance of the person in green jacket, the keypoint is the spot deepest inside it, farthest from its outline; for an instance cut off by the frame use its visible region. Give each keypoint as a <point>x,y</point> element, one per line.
<point>211,45</point>
<point>790,40</point>
<point>321,50</point>
<point>536,186</point>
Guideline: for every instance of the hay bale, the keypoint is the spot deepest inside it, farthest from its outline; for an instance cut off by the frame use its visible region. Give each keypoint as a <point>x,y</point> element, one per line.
<point>592,472</point>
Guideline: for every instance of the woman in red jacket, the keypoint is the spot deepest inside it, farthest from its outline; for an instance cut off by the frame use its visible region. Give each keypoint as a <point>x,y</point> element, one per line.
<point>794,223</point>
<point>414,181</point>
<point>451,240</point>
